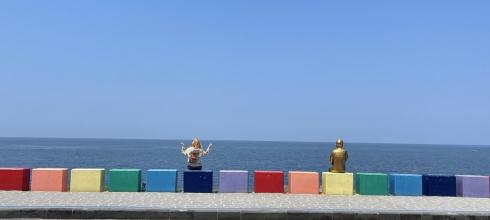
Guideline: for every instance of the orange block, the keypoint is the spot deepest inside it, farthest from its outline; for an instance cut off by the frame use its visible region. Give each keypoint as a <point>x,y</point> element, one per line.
<point>303,182</point>
<point>49,179</point>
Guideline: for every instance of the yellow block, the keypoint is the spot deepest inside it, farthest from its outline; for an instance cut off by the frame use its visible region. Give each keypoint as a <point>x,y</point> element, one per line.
<point>87,180</point>
<point>338,183</point>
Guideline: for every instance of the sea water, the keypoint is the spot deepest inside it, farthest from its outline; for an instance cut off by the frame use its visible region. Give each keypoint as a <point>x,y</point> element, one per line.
<point>243,155</point>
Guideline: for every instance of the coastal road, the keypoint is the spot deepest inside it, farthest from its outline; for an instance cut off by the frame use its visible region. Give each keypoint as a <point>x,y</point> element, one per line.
<point>236,206</point>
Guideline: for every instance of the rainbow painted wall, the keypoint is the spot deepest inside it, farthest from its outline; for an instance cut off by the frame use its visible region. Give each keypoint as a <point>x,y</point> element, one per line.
<point>237,181</point>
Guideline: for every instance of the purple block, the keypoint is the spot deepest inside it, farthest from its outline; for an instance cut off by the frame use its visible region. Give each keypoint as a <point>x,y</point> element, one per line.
<point>233,181</point>
<point>472,186</point>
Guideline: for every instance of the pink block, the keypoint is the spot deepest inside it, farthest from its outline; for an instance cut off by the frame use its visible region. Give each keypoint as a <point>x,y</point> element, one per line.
<point>49,179</point>
<point>303,182</point>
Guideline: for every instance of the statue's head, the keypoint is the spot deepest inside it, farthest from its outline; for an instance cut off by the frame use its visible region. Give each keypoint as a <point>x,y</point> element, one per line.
<point>196,143</point>
<point>339,143</point>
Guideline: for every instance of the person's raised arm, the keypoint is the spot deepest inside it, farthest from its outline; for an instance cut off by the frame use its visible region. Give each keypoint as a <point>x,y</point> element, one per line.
<point>182,150</point>
<point>207,150</point>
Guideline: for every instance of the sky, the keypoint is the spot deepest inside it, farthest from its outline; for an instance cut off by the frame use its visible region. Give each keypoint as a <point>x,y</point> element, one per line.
<point>365,71</point>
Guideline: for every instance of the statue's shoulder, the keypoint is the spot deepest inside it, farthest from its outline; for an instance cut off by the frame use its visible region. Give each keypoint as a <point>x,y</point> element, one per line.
<point>339,150</point>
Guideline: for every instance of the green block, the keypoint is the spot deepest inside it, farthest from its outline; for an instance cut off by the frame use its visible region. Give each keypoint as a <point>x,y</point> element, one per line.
<point>372,183</point>
<point>125,180</point>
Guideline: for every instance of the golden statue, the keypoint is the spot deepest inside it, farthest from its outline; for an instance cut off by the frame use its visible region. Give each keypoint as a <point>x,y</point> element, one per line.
<point>338,157</point>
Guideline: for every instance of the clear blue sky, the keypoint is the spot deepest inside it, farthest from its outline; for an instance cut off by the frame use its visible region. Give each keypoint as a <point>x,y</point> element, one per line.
<point>367,71</point>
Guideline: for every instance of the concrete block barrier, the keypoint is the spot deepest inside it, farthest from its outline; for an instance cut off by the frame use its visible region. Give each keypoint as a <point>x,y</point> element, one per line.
<point>237,181</point>
<point>472,186</point>
<point>300,182</point>
<point>439,185</point>
<point>17,179</point>
<point>125,180</point>
<point>87,180</point>
<point>269,181</point>
<point>161,180</point>
<point>372,183</point>
<point>337,183</point>
<point>233,181</point>
<point>49,179</point>
<point>405,184</point>
<point>198,181</point>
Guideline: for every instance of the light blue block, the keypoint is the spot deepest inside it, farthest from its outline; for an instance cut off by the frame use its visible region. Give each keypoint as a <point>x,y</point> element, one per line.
<point>405,184</point>
<point>161,180</point>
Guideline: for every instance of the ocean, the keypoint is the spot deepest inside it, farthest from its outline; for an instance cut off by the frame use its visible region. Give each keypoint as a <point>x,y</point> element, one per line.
<point>243,155</point>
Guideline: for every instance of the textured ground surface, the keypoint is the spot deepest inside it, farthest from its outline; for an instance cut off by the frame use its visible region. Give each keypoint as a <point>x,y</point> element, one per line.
<point>250,201</point>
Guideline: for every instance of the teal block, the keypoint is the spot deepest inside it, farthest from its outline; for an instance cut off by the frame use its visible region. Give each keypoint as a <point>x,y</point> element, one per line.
<point>125,180</point>
<point>372,183</point>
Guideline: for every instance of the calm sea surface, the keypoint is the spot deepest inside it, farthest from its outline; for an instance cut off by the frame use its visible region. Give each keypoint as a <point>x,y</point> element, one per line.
<point>243,155</point>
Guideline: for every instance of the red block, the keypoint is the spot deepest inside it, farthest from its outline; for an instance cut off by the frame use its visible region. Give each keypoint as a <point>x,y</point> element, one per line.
<point>15,179</point>
<point>269,182</point>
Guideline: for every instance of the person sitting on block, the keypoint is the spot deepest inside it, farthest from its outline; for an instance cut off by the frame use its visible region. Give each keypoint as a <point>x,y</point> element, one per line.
<point>194,154</point>
<point>338,157</point>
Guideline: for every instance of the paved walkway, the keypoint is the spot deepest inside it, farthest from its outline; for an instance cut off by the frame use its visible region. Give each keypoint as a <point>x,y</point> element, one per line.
<point>250,201</point>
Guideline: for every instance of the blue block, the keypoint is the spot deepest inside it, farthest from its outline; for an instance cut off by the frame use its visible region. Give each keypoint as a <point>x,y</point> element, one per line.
<point>198,181</point>
<point>405,184</point>
<point>161,180</point>
<point>439,185</point>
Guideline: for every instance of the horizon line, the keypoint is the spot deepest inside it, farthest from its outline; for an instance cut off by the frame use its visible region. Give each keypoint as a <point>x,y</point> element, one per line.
<point>239,140</point>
